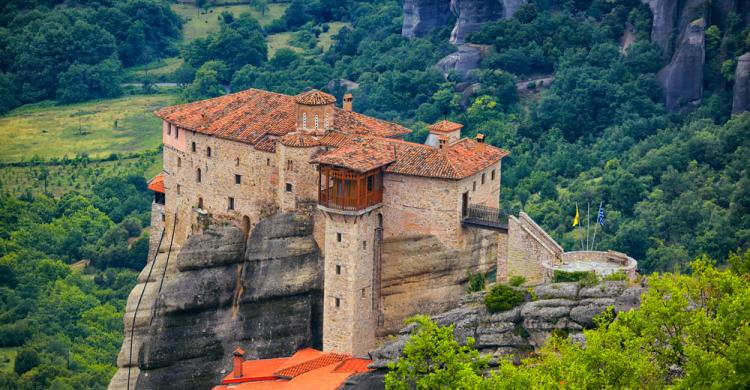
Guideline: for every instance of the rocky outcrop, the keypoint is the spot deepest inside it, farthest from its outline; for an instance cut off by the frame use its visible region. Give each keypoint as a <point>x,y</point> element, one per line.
<point>741,92</point>
<point>670,16</point>
<point>422,275</point>
<point>472,15</point>
<point>561,307</point>
<point>222,290</point>
<point>422,16</point>
<point>464,60</point>
<point>682,79</point>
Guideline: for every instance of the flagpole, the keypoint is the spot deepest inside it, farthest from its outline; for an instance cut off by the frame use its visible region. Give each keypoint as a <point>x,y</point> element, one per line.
<point>596,225</point>
<point>580,232</point>
<point>588,206</point>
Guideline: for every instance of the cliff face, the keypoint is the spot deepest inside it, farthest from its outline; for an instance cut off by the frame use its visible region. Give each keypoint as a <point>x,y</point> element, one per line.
<point>422,16</point>
<point>682,78</point>
<point>741,93</point>
<point>221,291</point>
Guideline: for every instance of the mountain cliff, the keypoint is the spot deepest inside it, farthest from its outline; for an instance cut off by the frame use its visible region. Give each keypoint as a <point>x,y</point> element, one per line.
<point>221,291</point>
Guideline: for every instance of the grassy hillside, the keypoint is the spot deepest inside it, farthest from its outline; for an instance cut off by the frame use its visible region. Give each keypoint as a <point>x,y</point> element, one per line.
<point>199,22</point>
<point>97,128</point>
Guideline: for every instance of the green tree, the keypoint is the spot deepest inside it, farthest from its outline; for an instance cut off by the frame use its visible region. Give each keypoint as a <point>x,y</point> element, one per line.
<point>433,359</point>
<point>26,359</point>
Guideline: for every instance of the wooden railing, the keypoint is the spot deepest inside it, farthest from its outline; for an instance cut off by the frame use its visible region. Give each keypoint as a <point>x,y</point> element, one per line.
<point>349,200</point>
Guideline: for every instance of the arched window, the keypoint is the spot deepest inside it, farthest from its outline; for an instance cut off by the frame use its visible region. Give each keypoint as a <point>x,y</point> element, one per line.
<point>325,120</point>
<point>304,120</point>
<point>179,162</point>
<point>316,121</point>
<point>200,203</point>
<point>198,175</point>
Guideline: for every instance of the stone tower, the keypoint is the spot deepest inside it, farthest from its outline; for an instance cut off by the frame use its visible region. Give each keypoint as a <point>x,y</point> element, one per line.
<point>351,291</point>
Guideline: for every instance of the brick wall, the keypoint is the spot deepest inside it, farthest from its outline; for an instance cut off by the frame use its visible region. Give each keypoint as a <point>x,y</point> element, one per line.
<point>530,248</point>
<point>295,169</point>
<point>157,224</point>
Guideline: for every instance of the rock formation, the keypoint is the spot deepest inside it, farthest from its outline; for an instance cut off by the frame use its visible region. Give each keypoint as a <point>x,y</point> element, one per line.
<point>220,291</point>
<point>464,60</point>
<point>741,93</point>
<point>671,16</point>
<point>682,79</point>
<point>422,16</point>
<point>566,307</point>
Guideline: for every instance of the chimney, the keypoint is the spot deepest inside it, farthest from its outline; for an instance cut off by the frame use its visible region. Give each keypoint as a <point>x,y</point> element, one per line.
<point>480,138</point>
<point>451,131</point>
<point>237,362</point>
<point>348,102</point>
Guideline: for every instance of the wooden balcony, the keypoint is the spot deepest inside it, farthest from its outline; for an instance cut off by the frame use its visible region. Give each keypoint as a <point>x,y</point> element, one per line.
<point>349,191</point>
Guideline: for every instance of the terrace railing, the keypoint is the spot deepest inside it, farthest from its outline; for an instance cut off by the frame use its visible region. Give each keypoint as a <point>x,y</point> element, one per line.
<point>487,217</point>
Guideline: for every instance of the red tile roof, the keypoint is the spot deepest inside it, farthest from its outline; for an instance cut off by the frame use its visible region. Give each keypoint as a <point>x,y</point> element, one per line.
<point>314,98</point>
<point>248,116</point>
<point>299,140</point>
<point>458,160</point>
<point>306,369</point>
<point>446,127</point>
<point>157,183</point>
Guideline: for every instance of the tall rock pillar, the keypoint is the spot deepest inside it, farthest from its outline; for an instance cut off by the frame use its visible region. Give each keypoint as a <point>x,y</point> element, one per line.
<point>741,93</point>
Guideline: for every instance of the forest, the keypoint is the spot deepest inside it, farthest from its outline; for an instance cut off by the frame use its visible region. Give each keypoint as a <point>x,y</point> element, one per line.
<point>675,186</point>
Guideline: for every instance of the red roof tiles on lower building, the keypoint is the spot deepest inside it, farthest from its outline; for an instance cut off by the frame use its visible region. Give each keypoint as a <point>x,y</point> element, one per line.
<point>306,369</point>
<point>156,184</point>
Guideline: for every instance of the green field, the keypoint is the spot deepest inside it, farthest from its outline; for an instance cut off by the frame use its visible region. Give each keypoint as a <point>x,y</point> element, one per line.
<point>325,40</point>
<point>50,131</point>
<point>73,177</point>
<point>7,359</point>
<point>158,68</point>
<point>199,22</point>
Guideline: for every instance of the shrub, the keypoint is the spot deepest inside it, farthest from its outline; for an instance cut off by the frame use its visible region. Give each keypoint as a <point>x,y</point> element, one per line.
<point>516,280</point>
<point>502,298</point>
<point>476,281</point>
<point>570,276</point>
<point>25,361</point>
<point>616,276</point>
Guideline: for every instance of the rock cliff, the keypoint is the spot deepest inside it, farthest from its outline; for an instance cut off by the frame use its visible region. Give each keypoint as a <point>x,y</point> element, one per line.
<point>422,16</point>
<point>682,78</point>
<point>741,93</point>
<point>222,290</point>
<point>566,307</point>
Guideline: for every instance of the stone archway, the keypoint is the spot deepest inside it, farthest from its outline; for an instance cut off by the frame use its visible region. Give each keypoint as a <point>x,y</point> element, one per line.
<point>245,225</point>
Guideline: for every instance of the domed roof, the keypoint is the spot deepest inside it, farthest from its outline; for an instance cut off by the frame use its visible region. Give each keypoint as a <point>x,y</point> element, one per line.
<point>314,97</point>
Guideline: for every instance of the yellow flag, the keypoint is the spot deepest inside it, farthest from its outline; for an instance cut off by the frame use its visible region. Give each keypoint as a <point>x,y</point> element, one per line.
<point>575,220</point>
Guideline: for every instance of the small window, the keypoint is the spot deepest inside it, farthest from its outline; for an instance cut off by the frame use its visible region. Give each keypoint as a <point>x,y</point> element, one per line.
<point>288,187</point>
<point>338,269</point>
<point>237,162</point>
<point>338,302</point>
<point>316,121</point>
<point>492,175</point>
<point>370,183</point>
<point>200,203</point>
<point>338,237</point>
<point>483,178</point>
<point>268,162</point>
<point>179,162</point>
<point>198,175</point>
<point>177,132</point>
<point>169,129</point>
<point>304,120</point>
<point>363,293</point>
<point>163,217</point>
<point>289,165</point>
<point>237,179</point>
<point>231,203</point>
<point>208,151</point>
<point>474,186</point>
<point>325,120</point>
<point>364,244</point>
<point>192,146</point>
<point>178,189</point>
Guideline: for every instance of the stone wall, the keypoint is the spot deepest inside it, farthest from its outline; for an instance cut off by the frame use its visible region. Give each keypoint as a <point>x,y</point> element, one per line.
<point>529,249</point>
<point>295,169</point>
<point>154,232</point>
<point>424,206</point>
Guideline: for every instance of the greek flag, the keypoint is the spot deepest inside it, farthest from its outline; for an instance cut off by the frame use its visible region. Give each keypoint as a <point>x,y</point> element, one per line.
<point>600,220</point>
